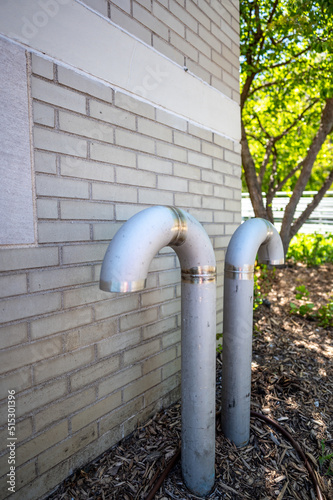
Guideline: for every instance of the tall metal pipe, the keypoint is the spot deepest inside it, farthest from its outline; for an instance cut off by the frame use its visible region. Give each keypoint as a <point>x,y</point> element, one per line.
<point>125,269</point>
<point>252,237</point>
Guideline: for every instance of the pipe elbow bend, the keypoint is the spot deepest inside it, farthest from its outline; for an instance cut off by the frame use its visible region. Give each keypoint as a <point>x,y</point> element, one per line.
<point>129,254</point>
<point>254,236</point>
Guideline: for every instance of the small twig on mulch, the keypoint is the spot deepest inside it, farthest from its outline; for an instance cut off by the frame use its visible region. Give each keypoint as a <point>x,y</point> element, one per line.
<point>292,382</point>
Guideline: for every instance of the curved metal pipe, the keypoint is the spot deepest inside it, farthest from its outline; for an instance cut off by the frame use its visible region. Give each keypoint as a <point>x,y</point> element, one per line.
<point>252,237</point>
<point>125,269</point>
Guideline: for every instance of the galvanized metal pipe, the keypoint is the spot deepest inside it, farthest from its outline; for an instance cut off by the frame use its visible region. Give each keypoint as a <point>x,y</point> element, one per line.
<point>252,237</point>
<point>125,269</point>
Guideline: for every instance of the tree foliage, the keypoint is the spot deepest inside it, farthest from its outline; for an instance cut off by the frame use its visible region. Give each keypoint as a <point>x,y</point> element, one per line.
<point>286,103</point>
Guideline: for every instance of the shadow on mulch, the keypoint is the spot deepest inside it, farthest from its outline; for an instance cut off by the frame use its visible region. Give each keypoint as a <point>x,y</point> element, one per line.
<point>292,382</point>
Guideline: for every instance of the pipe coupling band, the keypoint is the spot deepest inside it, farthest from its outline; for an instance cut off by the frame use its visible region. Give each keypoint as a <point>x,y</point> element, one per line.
<point>245,272</point>
<point>179,227</point>
<point>199,275</point>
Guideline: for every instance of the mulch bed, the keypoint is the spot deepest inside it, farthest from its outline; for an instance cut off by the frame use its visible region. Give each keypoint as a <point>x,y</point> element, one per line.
<point>292,382</point>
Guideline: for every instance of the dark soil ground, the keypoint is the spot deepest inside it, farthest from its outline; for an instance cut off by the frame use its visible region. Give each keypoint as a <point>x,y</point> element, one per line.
<point>292,383</point>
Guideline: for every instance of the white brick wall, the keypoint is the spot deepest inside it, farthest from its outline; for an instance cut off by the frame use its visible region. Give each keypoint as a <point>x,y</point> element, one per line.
<point>83,362</point>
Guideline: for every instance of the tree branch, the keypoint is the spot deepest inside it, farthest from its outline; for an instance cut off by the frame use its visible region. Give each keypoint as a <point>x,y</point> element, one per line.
<point>314,203</point>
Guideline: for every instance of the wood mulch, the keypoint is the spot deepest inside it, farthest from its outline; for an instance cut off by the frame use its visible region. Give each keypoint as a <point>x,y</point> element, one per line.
<point>292,382</point>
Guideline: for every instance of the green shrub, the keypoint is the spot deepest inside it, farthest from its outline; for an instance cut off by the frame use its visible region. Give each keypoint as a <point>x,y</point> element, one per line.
<point>312,249</point>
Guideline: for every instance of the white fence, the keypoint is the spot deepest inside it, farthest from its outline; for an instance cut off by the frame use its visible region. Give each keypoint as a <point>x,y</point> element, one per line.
<point>321,219</point>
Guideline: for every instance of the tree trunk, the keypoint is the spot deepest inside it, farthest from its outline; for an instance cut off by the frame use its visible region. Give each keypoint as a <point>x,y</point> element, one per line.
<point>326,125</point>
<point>251,178</point>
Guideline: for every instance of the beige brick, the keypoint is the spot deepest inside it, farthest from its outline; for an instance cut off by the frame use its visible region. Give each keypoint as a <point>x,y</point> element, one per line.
<point>91,374</point>
<point>223,192</point>
<point>172,183</point>
<point>117,417</point>
<point>51,140</point>
<point>199,71</point>
<point>154,197</point>
<point>198,43</point>
<point>95,411</point>
<point>60,322</point>
<point>124,211</point>
<point>171,369</point>
<point>148,20</point>
<point>212,150</point>
<point>13,335</point>
<point>203,215</point>
<point>184,46</point>
<point>81,125</point>
<point>113,115</point>
<point>212,203</point>
<point>29,353</point>
<point>160,359</point>
<point>119,342</point>
<point>114,193</point>
<point>85,210</point>
<point>40,396</point>
<point>60,232</point>
<point>187,141</point>
<point>119,379</point>
<point>76,254</point>
<point>74,167</point>
<point>42,67</point>
<point>13,285</point>
<point>153,164</point>
<point>157,296</point>
<point>171,338</point>
<point>163,262</point>
<point>168,18</point>
<point>199,160</point>
<point>58,96</point>
<point>210,66</point>
<point>130,25</point>
<point>134,105</point>
<point>170,308</point>
<point>45,162</point>
<point>154,393</point>
<point>222,87</point>
<point>104,231</point>
<point>134,141</point>
<point>187,200</point>
<point>18,380</point>
<point>63,450</point>
<point>171,152</point>
<point>159,327</point>
<point>137,319</point>
<point>63,364</point>
<point>171,120</point>
<point>222,166</point>
<point>201,188</point>
<point>116,306</point>
<point>44,115</point>
<point>170,277</point>
<point>84,84</point>
<point>215,178</point>
<point>194,11</point>
<point>82,295</point>
<point>187,171</point>
<point>86,335</point>
<point>112,154</point>
<point>232,81</point>
<point>200,132</point>
<point>141,352</point>
<point>165,48</point>
<point>64,188</point>
<point>27,258</point>
<point>31,305</point>
<point>47,209</point>
<point>59,278</point>
<point>135,177</point>
<point>142,385</point>
<point>154,129</point>
<point>40,443</point>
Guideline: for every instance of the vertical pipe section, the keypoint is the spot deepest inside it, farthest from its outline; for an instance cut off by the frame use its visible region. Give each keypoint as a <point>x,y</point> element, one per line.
<point>252,237</point>
<point>125,269</point>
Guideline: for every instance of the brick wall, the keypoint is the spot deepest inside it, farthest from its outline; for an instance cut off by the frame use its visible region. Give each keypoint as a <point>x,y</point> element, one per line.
<point>201,35</point>
<point>88,366</point>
